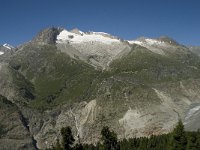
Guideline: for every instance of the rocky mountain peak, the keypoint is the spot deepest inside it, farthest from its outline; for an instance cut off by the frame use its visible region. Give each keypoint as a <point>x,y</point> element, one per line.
<point>48,35</point>
<point>6,48</point>
<point>87,80</point>
<point>77,31</point>
<point>167,39</point>
<point>142,39</point>
<point>161,41</point>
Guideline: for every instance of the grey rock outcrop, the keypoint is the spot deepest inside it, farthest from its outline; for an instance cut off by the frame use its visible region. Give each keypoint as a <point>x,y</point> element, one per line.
<point>137,89</point>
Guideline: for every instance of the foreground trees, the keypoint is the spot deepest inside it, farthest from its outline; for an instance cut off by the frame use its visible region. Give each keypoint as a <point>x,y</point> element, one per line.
<point>109,139</point>
<point>178,139</point>
<point>67,138</point>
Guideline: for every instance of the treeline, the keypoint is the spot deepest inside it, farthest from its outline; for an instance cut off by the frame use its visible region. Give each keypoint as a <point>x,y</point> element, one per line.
<point>179,139</point>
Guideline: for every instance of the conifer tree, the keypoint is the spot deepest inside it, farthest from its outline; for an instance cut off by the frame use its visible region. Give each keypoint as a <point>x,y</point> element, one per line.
<point>78,147</point>
<point>109,139</point>
<point>179,140</point>
<point>67,138</point>
<point>191,142</point>
<point>1,130</point>
<point>198,139</point>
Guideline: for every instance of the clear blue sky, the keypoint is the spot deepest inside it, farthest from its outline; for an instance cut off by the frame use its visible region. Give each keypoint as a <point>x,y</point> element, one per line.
<point>20,20</point>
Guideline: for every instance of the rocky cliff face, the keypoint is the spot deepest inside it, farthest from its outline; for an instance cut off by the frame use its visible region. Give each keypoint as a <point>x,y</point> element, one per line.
<point>47,36</point>
<point>89,80</point>
<point>15,132</point>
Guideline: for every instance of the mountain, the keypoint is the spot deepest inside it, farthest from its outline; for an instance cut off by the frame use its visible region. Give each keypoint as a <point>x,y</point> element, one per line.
<point>95,48</point>
<point>14,131</point>
<point>195,49</point>
<point>88,80</point>
<point>6,48</point>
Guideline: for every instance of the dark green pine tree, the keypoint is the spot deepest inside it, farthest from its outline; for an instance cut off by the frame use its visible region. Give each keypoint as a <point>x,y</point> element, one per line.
<point>99,146</point>
<point>1,130</point>
<point>67,138</point>
<point>191,142</point>
<point>109,139</point>
<point>198,140</point>
<point>78,147</point>
<point>179,140</point>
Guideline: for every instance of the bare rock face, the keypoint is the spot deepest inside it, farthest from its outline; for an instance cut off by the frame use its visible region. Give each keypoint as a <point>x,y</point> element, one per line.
<point>14,86</point>
<point>133,113</point>
<point>46,128</point>
<point>96,48</point>
<point>91,80</point>
<point>168,40</point>
<point>47,36</point>
<point>14,132</point>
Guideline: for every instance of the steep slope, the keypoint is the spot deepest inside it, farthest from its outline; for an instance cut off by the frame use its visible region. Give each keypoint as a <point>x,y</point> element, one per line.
<point>150,66</point>
<point>163,45</point>
<point>142,94</point>
<point>6,49</point>
<point>14,86</point>
<point>95,48</point>
<point>89,80</point>
<point>47,36</point>
<point>14,132</point>
<point>57,78</point>
<point>195,49</point>
<point>147,93</point>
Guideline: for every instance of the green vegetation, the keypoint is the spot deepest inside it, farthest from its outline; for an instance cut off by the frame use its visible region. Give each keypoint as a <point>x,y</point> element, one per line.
<point>56,77</point>
<point>52,78</point>
<point>41,77</point>
<point>7,108</point>
<point>63,82</point>
<point>177,140</point>
<point>2,130</point>
<point>149,67</point>
<point>67,138</point>
<point>109,139</point>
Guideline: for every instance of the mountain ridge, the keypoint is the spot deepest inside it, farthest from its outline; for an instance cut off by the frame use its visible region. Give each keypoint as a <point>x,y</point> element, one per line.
<point>137,89</point>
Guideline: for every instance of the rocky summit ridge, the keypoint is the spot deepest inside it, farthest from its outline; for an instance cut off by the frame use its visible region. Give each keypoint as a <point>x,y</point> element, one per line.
<point>88,80</point>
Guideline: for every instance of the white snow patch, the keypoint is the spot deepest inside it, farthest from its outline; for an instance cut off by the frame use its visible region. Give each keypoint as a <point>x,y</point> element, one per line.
<point>148,41</point>
<point>8,46</point>
<point>81,32</point>
<point>192,112</point>
<point>135,42</point>
<point>102,33</point>
<point>99,48</point>
<point>1,53</point>
<point>151,44</point>
<point>66,36</point>
<point>154,42</point>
